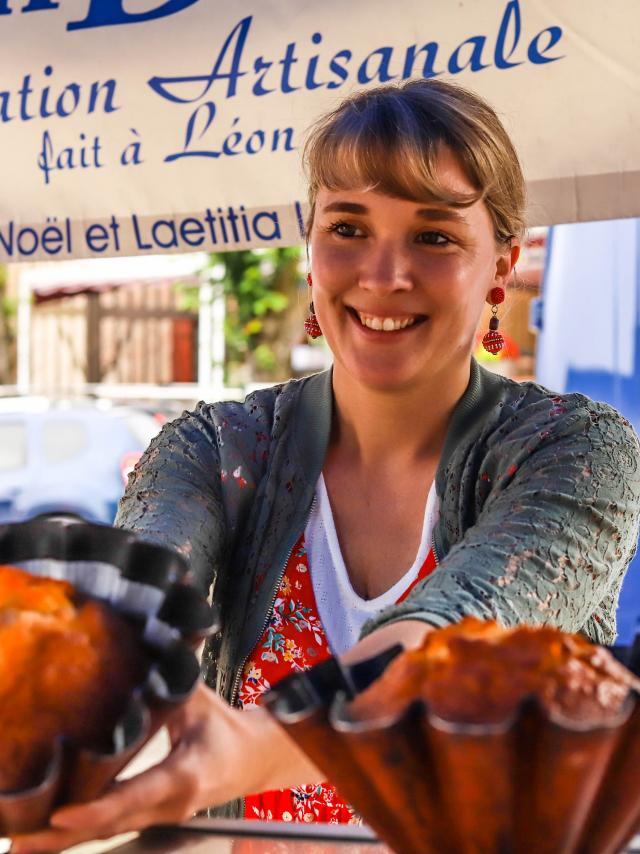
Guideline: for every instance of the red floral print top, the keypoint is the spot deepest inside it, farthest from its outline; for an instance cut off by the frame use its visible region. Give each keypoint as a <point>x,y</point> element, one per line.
<point>294,640</point>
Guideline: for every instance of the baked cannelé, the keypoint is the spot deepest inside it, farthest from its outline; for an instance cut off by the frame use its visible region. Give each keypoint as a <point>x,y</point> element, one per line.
<point>68,665</point>
<point>478,672</point>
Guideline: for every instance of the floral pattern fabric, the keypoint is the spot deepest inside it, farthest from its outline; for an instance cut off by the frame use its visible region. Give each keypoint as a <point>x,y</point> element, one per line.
<point>293,641</point>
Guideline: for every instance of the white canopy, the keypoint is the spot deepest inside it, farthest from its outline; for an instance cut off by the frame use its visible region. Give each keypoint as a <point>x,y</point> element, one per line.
<point>177,127</point>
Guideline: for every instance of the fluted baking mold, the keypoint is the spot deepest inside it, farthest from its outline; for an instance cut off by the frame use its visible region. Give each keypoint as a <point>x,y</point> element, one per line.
<point>146,584</point>
<point>531,784</point>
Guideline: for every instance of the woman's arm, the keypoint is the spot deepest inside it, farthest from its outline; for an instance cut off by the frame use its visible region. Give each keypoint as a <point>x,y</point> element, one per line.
<point>556,531</point>
<point>217,754</point>
<point>174,494</point>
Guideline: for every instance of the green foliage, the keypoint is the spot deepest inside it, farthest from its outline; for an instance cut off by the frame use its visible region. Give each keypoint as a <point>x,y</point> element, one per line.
<point>8,305</point>
<point>254,284</point>
<point>265,358</point>
<point>9,308</point>
<point>8,318</point>
<point>258,286</point>
<point>188,297</point>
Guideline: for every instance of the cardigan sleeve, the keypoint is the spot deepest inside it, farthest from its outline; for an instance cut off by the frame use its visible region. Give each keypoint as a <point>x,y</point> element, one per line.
<point>173,496</point>
<point>554,535</point>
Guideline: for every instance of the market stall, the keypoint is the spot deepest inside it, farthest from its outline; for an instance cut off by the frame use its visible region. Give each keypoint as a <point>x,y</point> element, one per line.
<point>193,143</point>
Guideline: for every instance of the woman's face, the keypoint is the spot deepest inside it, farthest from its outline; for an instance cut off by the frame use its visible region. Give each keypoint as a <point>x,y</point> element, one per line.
<point>399,286</point>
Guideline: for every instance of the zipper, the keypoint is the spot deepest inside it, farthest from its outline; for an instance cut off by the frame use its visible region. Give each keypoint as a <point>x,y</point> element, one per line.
<point>236,681</point>
<point>435,550</point>
<point>239,672</point>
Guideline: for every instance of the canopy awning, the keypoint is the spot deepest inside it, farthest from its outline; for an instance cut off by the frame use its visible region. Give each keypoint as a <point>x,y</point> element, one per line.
<point>178,127</point>
<point>67,278</point>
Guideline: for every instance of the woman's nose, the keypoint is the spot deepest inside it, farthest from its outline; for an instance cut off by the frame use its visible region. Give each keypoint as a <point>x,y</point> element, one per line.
<point>386,270</point>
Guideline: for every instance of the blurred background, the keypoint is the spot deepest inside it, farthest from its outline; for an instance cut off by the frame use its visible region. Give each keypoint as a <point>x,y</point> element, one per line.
<point>96,355</point>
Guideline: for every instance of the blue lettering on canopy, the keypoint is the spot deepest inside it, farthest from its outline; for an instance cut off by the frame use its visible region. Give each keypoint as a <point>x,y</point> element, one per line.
<point>474,61</point>
<point>511,25</point>
<point>108,13</point>
<point>379,65</point>
<point>376,66</point>
<point>32,6</point>
<point>225,227</point>
<point>272,219</point>
<point>231,65</point>
<point>40,5</point>
<point>536,53</point>
<point>339,69</point>
<point>25,241</point>
<point>172,88</point>
<point>238,141</point>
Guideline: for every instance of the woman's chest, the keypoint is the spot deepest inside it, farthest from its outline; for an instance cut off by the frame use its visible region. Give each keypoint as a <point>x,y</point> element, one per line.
<point>379,527</point>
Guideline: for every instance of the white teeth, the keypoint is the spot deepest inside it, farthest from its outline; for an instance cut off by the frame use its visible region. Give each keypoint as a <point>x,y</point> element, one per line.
<point>385,324</point>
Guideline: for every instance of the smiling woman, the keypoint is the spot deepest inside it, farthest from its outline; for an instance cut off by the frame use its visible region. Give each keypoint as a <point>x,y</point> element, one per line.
<point>417,198</point>
<point>401,491</point>
<point>410,279</point>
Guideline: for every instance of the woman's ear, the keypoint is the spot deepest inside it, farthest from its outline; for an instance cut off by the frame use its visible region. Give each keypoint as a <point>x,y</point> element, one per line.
<point>506,261</point>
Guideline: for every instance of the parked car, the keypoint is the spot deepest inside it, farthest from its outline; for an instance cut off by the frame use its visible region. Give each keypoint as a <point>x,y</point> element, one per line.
<point>67,456</point>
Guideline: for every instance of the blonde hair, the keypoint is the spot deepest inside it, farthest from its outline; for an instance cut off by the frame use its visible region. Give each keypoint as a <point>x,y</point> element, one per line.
<point>388,139</point>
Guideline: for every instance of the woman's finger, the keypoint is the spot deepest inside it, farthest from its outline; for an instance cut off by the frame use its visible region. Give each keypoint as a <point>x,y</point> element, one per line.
<point>145,795</point>
<point>51,840</point>
<point>129,806</point>
<point>218,754</point>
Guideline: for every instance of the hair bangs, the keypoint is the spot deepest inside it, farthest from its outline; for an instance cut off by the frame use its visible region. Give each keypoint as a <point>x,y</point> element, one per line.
<point>383,147</point>
<point>388,139</point>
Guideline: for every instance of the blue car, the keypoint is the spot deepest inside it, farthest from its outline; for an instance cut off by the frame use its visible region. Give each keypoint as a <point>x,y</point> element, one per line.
<point>67,457</point>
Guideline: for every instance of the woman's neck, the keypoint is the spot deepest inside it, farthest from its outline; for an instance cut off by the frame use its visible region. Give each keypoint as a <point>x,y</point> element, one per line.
<point>372,426</point>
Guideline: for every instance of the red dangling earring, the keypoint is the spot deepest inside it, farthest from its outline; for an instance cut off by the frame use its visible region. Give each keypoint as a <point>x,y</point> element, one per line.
<point>493,341</point>
<point>311,325</point>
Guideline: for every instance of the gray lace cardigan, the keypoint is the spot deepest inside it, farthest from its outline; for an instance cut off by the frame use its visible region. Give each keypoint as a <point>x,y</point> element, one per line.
<point>539,506</point>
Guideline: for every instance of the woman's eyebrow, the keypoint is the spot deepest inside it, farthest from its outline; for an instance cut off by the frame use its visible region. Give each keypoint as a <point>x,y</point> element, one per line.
<point>345,207</point>
<point>431,214</point>
<point>439,214</point>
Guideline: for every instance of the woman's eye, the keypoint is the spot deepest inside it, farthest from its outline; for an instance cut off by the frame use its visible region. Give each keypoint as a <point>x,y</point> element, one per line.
<point>433,238</point>
<point>345,229</point>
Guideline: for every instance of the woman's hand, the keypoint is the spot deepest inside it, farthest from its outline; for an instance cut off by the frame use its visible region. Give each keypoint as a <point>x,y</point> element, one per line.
<point>410,634</point>
<point>217,754</point>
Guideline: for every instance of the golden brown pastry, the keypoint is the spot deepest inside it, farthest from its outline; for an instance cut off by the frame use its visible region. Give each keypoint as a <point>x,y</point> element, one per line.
<point>67,668</point>
<point>478,672</point>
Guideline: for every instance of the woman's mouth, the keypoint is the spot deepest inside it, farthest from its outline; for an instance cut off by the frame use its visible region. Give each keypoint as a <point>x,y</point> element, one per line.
<point>387,323</point>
